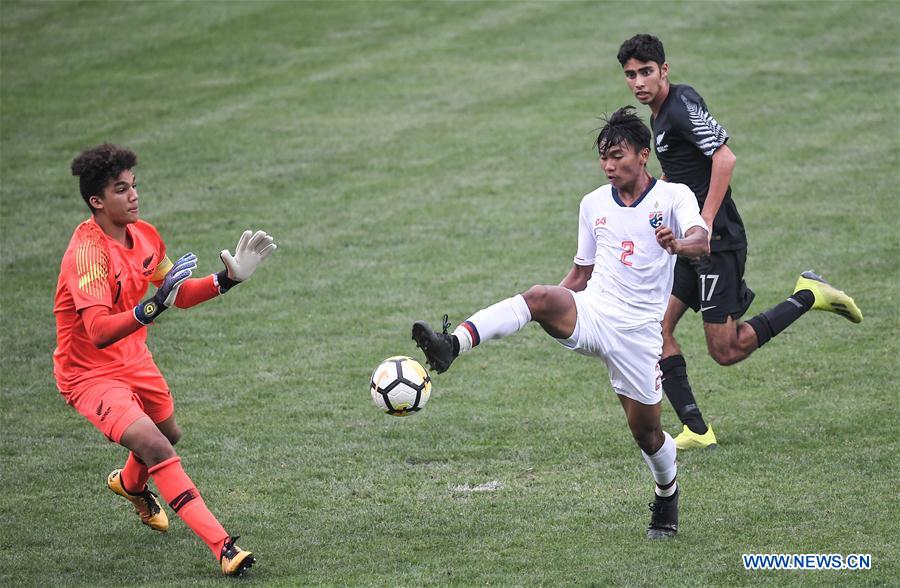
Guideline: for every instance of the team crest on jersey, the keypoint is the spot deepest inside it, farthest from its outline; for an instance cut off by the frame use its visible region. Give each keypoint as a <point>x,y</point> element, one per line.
<point>660,148</point>
<point>656,218</point>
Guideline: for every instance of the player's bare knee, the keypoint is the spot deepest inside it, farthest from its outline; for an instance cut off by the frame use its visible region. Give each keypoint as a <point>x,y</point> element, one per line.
<point>722,349</point>
<point>536,298</point>
<point>649,444</point>
<point>719,356</point>
<point>155,450</point>
<point>725,356</point>
<point>648,438</point>
<point>173,435</point>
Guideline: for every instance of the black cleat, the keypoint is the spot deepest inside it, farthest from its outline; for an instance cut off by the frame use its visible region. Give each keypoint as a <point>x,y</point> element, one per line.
<point>438,347</point>
<point>664,517</point>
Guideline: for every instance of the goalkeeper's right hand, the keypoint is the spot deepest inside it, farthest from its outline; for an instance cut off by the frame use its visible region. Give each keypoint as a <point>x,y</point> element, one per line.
<point>251,250</point>
<point>165,295</point>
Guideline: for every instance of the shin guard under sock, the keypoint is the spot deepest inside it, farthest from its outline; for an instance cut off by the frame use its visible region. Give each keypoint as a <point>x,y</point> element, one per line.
<point>662,464</point>
<point>678,391</point>
<point>499,320</point>
<point>180,493</point>
<point>771,322</point>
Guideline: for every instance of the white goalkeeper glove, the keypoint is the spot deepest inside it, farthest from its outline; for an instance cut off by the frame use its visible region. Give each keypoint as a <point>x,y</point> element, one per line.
<point>252,248</point>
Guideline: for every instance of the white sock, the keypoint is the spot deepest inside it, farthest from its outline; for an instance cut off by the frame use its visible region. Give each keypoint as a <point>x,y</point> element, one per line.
<point>665,493</point>
<point>662,464</point>
<point>499,320</point>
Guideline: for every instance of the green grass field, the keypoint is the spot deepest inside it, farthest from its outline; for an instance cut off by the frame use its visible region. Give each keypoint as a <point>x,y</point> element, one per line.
<point>420,158</point>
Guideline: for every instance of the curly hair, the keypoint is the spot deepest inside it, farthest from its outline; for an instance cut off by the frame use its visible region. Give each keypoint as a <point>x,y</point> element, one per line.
<point>624,126</point>
<point>95,167</point>
<point>644,48</point>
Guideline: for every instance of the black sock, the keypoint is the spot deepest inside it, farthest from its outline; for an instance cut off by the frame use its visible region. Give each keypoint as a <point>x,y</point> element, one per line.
<point>668,498</point>
<point>779,317</point>
<point>678,390</point>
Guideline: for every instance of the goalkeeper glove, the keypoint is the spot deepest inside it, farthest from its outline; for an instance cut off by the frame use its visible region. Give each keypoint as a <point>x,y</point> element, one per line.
<point>251,250</point>
<point>165,295</point>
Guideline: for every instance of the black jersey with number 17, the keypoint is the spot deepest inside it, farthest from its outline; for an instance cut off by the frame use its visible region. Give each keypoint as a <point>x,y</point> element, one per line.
<point>685,138</point>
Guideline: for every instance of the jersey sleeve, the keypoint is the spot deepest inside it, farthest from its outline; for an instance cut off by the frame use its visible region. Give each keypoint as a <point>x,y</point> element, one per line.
<point>686,210</point>
<point>587,244</point>
<point>88,274</point>
<point>104,328</point>
<point>697,125</point>
<point>196,290</point>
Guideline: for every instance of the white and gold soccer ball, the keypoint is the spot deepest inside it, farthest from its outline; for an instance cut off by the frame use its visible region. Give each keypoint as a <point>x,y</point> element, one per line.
<point>400,386</point>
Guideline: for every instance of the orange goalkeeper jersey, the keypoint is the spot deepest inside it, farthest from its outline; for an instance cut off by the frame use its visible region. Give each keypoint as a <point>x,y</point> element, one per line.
<point>98,270</point>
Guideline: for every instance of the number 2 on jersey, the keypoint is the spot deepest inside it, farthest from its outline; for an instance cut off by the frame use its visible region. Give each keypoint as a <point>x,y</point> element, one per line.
<point>627,249</point>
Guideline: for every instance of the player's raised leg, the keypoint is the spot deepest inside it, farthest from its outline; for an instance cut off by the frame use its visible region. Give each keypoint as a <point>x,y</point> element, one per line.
<point>178,490</point>
<point>659,451</point>
<point>553,307</point>
<point>735,341</point>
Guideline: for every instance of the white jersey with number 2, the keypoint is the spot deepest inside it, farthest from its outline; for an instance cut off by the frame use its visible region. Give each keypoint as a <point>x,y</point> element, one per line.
<point>632,276</point>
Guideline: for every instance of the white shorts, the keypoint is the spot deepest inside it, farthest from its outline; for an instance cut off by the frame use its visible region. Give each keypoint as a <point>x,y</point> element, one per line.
<point>631,355</point>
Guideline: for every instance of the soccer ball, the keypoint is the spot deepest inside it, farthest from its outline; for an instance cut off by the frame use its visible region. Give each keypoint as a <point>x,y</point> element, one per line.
<point>400,386</point>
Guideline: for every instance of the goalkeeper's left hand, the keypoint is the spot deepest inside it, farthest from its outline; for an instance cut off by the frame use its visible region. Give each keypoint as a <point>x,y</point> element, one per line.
<point>251,250</point>
<point>148,310</point>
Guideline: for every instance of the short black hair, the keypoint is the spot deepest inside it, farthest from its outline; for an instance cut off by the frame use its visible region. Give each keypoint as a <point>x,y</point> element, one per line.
<point>96,166</point>
<point>624,126</point>
<point>644,48</point>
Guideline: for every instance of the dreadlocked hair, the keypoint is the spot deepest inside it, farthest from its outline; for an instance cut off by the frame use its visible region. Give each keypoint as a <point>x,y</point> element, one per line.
<point>623,126</point>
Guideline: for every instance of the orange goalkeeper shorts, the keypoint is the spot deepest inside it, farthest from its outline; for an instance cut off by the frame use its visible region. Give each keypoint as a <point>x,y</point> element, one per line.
<point>112,404</point>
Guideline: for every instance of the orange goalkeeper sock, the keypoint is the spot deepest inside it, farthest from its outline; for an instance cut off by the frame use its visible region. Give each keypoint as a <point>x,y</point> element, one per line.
<point>134,475</point>
<point>180,493</point>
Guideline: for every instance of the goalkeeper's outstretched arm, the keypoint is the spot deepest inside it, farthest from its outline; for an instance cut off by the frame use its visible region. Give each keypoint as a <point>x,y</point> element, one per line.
<point>177,287</point>
<point>251,250</point>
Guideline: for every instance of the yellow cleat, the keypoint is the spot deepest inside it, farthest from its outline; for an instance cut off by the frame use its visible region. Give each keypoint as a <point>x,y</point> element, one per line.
<point>235,561</point>
<point>688,439</point>
<point>828,297</point>
<point>145,503</point>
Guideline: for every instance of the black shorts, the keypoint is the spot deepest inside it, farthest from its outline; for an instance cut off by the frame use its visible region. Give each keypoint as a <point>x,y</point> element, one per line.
<point>714,285</point>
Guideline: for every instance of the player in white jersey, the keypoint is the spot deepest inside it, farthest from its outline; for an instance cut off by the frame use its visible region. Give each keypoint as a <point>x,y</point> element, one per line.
<point>630,269</point>
<point>611,302</point>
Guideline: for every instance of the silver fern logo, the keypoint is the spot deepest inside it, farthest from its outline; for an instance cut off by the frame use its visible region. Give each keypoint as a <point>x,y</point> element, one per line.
<point>709,133</point>
<point>660,148</point>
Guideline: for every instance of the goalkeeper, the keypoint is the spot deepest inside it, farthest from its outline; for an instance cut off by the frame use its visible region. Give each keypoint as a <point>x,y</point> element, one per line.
<point>101,363</point>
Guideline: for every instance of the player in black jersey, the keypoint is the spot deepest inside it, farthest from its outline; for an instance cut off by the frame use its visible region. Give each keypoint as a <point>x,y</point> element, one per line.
<point>691,148</point>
